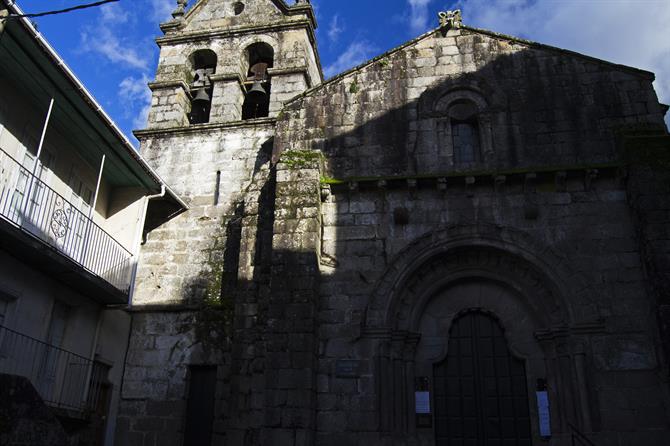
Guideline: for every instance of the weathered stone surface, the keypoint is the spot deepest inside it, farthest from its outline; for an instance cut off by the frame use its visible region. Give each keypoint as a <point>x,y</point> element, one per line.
<point>24,418</point>
<point>353,228</point>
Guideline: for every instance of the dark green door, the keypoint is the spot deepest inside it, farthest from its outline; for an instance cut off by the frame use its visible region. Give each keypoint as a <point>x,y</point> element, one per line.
<point>481,398</point>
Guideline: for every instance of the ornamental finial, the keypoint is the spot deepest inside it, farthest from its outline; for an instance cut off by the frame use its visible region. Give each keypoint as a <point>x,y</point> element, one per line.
<point>450,19</point>
<point>181,8</point>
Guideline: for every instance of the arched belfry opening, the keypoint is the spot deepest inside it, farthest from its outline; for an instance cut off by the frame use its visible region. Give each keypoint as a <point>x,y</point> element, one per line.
<point>203,65</point>
<point>258,58</point>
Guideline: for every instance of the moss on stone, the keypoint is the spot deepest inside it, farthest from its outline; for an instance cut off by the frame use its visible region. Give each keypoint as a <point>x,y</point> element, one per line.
<point>472,173</point>
<point>298,159</point>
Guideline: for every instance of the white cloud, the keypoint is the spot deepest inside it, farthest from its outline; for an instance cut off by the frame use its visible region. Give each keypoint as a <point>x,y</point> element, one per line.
<point>103,41</point>
<point>335,28</point>
<point>628,32</point>
<point>355,54</point>
<point>107,38</point>
<point>135,97</point>
<point>161,10</point>
<point>418,18</point>
<point>114,13</point>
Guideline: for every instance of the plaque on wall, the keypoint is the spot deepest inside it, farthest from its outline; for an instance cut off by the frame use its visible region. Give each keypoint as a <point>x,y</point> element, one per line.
<point>543,413</point>
<point>347,368</point>
<point>422,400</point>
<point>424,418</point>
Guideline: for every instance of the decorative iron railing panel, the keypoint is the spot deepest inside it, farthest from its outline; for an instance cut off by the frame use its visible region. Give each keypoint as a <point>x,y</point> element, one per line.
<point>29,203</point>
<point>63,379</point>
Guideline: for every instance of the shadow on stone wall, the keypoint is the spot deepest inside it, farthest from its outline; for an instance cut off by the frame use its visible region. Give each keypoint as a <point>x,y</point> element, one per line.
<point>382,155</point>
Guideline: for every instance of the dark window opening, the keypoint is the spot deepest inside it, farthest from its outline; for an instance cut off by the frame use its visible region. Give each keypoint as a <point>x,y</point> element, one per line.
<point>465,132</point>
<point>217,187</point>
<point>259,53</point>
<point>201,106</point>
<point>257,105</point>
<point>203,63</point>
<point>200,406</point>
<point>238,8</point>
<point>466,141</point>
<point>260,57</point>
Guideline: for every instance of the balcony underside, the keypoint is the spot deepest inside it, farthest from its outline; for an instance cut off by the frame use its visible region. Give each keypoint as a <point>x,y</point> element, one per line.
<point>25,247</point>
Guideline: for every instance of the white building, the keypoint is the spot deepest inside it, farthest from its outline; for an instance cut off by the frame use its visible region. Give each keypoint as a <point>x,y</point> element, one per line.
<point>75,201</point>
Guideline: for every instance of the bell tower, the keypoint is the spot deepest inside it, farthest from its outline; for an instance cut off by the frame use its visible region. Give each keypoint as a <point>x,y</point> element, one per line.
<point>223,61</point>
<point>225,69</point>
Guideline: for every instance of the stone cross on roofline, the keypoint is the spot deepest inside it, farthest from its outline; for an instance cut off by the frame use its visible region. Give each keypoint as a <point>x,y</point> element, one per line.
<point>181,8</point>
<point>450,19</point>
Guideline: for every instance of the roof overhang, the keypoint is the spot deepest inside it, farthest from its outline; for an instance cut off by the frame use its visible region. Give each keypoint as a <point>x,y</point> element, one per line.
<point>28,61</point>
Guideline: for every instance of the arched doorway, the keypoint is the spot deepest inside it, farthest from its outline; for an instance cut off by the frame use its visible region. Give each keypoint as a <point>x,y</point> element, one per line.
<point>446,275</point>
<point>481,395</point>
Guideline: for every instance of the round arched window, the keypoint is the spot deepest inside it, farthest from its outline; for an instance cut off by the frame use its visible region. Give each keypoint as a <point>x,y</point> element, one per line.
<point>238,8</point>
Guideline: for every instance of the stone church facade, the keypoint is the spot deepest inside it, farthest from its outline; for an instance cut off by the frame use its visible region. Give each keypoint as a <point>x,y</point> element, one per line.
<point>420,251</point>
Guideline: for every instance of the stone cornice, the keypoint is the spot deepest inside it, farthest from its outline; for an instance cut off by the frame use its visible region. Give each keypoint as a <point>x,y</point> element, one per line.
<point>495,174</point>
<point>153,86</point>
<point>197,128</point>
<point>229,32</point>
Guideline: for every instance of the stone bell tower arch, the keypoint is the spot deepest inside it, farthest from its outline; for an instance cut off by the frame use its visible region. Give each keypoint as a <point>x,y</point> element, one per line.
<point>225,69</point>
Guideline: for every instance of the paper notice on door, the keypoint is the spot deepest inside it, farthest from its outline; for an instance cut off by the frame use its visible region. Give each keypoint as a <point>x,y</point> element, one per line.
<point>422,400</point>
<point>543,413</point>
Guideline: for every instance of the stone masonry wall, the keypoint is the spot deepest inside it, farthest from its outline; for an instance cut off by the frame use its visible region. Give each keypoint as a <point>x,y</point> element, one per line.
<point>649,195</point>
<point>180,256</point>
<point>592,228</point>
<point>540,106</point>
<point>550,170</point>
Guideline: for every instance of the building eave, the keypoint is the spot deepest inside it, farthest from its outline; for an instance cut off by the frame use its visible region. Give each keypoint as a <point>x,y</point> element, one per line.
<point>122,144</point>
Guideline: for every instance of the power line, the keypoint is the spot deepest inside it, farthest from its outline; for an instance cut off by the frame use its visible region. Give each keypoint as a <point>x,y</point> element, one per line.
<point>60,11</point>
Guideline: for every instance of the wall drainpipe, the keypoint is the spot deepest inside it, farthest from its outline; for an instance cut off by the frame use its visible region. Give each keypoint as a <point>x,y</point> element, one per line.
<point>138,238</point>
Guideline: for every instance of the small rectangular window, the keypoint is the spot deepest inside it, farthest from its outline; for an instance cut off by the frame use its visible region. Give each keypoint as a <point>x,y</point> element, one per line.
<point>466,141</point>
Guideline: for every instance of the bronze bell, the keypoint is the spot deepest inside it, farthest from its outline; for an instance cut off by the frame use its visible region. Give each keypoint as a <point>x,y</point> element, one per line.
<point>202,97</point>
<point>257,92</point>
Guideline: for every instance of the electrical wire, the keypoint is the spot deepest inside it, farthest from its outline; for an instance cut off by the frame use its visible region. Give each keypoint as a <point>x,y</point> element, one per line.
<point>60,11</point>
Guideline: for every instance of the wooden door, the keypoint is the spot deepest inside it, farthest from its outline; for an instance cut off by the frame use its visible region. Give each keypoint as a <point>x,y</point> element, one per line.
<point>481,396</point>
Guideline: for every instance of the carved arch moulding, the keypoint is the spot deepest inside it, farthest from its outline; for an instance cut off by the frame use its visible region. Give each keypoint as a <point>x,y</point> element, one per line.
<point>525,285</point>
<point>488,251</point>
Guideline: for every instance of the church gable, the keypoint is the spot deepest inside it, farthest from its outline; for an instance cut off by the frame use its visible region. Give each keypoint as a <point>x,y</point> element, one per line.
<point>519,103</point>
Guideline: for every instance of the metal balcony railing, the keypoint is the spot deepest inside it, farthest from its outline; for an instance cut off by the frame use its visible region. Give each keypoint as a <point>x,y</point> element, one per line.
<point>578,438</point>
<point>29,203</point>
<point>63,379</point>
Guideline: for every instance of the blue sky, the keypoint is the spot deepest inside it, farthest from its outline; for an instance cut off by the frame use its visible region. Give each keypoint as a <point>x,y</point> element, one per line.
<point>112,48</point>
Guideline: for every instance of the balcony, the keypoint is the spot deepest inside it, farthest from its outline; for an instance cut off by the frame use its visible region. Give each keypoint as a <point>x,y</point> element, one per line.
<point>63,379</point>
<point>29,204</point>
